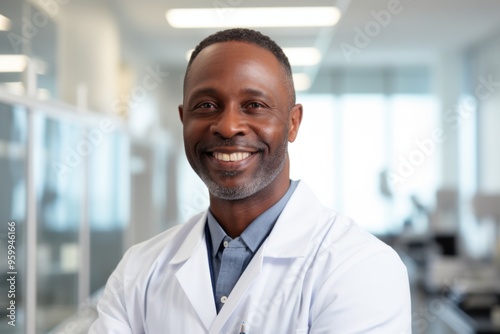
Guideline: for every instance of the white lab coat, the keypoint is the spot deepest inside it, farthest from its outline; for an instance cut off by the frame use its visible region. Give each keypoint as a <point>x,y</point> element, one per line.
<point>317,272</point>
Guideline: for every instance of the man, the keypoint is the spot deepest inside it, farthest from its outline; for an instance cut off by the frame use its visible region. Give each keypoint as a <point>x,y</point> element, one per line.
<point>266,257</point>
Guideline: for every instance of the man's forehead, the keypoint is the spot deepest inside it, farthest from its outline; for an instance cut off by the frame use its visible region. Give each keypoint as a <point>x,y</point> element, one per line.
<point>240,49</point>
<point>232,57</point>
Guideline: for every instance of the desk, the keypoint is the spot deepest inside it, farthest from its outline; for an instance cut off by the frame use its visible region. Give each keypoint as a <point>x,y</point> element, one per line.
<point>473,291</point>
<point>464,323</point>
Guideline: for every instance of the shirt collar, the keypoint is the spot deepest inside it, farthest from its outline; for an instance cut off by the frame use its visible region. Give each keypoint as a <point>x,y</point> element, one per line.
<point>217,234</point>
<point>255,234</point>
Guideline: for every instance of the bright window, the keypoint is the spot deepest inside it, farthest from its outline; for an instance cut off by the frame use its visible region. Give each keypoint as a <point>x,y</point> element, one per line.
<point>349,146</point>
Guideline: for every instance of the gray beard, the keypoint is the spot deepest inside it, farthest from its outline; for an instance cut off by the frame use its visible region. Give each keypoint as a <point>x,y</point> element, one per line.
<point>262,179</point>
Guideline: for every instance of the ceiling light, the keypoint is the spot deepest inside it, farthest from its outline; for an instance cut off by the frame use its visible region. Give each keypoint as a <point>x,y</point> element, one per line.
<point>303,56</point>
<point>253,17</point>
<point>4,23</point>
<point>301,81</point>
<point>13,63</point>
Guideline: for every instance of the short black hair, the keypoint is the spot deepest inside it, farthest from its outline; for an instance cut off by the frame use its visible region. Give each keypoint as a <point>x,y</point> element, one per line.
<point>252,37</point>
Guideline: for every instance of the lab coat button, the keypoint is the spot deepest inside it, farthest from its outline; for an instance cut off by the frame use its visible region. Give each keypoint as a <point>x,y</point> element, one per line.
<point>223,299</point>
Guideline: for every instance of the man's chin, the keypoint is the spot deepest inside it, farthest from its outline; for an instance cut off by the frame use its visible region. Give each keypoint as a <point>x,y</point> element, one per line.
<point>230,193</point>
<point>233,185</point>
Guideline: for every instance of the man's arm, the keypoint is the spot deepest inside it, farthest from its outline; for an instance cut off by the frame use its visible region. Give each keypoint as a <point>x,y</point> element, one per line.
<point>111,309</point>
<point>372,296</point>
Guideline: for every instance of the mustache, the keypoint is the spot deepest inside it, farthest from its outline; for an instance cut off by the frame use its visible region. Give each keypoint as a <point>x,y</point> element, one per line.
<point>232,143</point>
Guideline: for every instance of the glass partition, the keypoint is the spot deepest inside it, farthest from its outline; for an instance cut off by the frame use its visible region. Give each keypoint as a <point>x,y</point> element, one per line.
<point>30,39</point>
<point>109,198</point>
<point>13,134</point>
<point>82,193</point>
<point>59,176</point>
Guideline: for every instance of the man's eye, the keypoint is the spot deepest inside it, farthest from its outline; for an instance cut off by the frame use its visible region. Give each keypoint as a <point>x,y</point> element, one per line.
<point>206,105</point>
<point>255,105</point>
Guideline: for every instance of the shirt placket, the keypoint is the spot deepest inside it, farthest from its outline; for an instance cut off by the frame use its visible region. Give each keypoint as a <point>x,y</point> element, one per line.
<point>232,262</point>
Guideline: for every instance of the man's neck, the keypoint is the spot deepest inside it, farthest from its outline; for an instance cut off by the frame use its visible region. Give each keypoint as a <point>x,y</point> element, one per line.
<point>235,216</point>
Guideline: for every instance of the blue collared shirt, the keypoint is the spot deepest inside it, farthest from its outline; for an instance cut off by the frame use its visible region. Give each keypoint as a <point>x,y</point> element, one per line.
<point>230,257</point>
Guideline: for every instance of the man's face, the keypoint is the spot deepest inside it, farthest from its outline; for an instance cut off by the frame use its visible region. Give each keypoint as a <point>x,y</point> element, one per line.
<point>236,119</point>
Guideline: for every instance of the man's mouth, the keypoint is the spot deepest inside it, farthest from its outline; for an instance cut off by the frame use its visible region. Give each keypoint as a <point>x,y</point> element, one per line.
<point>236,156</point>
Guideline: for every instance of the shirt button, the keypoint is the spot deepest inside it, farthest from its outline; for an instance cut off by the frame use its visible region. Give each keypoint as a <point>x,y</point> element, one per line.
<point>223,299</point>
<point>226,244</point>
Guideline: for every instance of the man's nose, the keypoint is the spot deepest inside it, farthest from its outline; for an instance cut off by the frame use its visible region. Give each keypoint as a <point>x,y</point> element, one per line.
<point>231,122</point>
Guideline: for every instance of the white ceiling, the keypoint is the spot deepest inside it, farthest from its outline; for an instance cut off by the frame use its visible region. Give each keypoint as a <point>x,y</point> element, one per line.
<point>422,31</point>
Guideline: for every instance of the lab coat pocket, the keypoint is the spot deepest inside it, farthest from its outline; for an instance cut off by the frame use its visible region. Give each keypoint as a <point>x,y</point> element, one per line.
<point>302,330</point>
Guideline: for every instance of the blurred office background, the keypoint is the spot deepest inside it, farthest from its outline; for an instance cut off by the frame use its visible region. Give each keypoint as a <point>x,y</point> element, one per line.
<point>401,131</point>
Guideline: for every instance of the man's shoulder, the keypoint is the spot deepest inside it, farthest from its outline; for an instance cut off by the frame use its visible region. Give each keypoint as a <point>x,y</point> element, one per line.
<point>348,245</point>
<point>166,243</point>
<point>330,226</point>
<point>306,218</point>
<point>346,230</point>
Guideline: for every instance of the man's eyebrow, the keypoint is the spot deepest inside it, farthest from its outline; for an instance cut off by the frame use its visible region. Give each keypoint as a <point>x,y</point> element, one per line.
<point>256,92</point>
<point>203,91</point>
<point>213,91</point>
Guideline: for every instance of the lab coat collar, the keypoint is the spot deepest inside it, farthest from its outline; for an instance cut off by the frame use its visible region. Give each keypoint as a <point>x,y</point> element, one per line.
<point>193,255</point>
<point>198,287</point>
<point>193,240</point>
<point>289,238</point>
<point>294,229</point>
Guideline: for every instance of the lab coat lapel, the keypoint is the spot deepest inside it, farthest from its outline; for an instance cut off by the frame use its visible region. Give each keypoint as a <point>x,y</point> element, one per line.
<point>251,272</point>
<point>292,233</point>
<point>289,238</point>
<point>194,275</point>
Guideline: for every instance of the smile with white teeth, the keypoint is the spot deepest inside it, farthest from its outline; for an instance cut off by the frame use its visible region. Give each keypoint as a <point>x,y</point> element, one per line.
<point>237,156</point>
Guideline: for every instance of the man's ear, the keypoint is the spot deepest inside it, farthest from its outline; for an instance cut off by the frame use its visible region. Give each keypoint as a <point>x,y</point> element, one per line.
<point>295,118</point>
<point>181,112</point>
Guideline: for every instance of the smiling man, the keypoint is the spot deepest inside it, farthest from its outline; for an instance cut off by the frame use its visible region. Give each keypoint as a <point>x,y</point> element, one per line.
<point>265,257</point>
